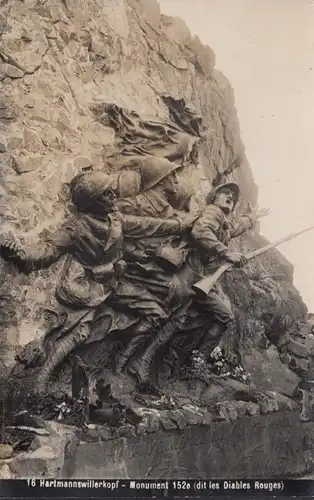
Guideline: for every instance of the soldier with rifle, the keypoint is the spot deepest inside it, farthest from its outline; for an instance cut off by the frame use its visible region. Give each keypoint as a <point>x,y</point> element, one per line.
<point>211,235</point>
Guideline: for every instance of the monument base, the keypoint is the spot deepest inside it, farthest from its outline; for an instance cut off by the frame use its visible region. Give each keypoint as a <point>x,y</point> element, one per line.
<point>265,446</point>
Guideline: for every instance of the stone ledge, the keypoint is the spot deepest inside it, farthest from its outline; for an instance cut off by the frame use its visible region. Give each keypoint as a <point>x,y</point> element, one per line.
<point>188,415</point>
<point>269,447</point>
<point>50,455</point>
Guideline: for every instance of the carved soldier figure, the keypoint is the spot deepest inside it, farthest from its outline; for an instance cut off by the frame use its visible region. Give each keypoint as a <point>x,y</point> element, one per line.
<point>160,262</point>
<point>93,270</point>
<point>212,233</point>
<point>158,184</point>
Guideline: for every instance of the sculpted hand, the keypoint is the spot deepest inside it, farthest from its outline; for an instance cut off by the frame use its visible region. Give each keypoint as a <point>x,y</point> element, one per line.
<point>237,259</point>
<point>11,252</point>
<point>259,213</point>
<point>188,220</point>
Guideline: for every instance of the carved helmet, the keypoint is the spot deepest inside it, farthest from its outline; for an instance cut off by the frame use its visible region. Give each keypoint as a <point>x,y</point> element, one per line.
<point>155,170</point>
<point>87,187</point>
<point>229,185</point>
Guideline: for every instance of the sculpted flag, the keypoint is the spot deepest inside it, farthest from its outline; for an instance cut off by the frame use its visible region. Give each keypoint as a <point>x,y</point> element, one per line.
<point>136,137</point>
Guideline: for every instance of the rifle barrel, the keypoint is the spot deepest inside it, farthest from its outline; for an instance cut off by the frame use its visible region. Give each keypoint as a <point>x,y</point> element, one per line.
<point>203,287</point>
<point>259,251</point>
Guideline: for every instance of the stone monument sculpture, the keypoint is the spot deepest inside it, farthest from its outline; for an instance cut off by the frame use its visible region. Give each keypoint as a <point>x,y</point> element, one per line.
<point>133,249</point>
<point>93,243</point>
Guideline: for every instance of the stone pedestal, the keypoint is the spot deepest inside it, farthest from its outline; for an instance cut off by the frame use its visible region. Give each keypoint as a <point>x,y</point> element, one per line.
<point>265,446</point>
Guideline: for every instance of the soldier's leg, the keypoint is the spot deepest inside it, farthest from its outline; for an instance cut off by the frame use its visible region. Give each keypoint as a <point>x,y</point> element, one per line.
<point>140,368</point>
<point>141,303</point>
<point>143,328</point>
<point>177,302</point>
<point>220,315</point>
<point>74,336</point>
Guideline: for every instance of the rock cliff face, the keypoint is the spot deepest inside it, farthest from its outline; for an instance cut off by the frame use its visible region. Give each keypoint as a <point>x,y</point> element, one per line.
<point>60,62</point>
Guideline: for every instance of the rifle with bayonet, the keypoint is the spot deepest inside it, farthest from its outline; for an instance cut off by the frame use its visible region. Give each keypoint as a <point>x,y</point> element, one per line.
<point>205,285</point>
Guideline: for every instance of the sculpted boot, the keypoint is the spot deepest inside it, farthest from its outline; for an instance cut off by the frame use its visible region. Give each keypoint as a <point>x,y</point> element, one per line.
<point>141,367</point>
<point>124,356</point>
<point>211,339</point>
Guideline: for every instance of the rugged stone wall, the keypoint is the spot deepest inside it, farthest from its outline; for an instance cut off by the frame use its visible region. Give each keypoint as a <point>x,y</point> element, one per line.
<point>58,59</point>
<point>52,454</point>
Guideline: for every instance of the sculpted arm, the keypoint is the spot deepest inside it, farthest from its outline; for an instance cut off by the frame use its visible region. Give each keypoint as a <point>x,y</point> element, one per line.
<point>205,231</point>
<point>240,226</point>
<point>41,255</point>
<point>248,221</point>
<point>139,227</point>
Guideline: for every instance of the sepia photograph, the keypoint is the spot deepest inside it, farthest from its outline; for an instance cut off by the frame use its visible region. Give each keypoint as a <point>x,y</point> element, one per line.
<point>156,247</point>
